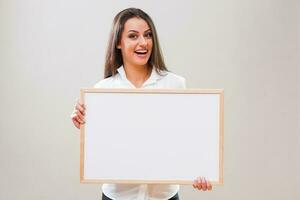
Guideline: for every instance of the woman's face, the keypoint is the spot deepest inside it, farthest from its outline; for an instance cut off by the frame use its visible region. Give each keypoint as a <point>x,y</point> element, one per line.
<point>136,42</point>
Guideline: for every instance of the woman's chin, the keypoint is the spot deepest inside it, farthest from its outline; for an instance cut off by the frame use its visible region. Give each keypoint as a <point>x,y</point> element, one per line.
<point>141,62</point>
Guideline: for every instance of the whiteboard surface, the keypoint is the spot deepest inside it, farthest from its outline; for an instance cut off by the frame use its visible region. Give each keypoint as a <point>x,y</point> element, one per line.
<point>151,137</point>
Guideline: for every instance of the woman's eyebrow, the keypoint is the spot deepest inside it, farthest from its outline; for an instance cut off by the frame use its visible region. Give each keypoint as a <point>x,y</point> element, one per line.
<point>133,31</point>
<point>138,32</point>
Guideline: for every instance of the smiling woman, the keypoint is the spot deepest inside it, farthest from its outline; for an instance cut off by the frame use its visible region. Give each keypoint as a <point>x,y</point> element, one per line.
<point>134,60</point>
<point>136,40</point>
<point>136,47</point>
<point>133,34</point>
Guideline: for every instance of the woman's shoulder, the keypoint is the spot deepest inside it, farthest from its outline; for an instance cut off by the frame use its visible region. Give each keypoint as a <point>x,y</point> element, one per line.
<point>105,83</point>
<point>173,76</point>
<point>174,79</point>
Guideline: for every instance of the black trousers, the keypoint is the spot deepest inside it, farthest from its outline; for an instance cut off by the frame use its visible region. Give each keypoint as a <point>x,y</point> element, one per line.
<point>176,197</point>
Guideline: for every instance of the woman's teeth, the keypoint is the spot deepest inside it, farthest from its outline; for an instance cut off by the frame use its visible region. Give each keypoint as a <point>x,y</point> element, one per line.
<point>141,51</point>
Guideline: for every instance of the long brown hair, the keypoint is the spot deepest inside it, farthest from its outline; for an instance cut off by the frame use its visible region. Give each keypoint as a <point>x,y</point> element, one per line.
<point>114,59</point>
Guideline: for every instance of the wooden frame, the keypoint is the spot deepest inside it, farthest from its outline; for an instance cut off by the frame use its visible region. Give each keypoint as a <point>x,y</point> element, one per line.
<point>220,143</point>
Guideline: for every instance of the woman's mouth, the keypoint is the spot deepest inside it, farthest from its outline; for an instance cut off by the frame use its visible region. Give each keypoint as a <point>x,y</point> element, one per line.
<point>141,52</point>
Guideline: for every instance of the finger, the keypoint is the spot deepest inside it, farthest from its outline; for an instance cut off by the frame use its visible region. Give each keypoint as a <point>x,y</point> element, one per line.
<point>76,120</point>
<point>204,184</point>
<point>76,115</point>
<point>80,116</point>
<point>76,123</point>
<point>195,184</point>
<point>80,107</point>
<point>199,183</point>
<point>209,186</point>
<point>79,120</point>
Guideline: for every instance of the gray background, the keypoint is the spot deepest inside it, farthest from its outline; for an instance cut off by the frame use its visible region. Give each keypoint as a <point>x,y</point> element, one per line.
<point>49,49</point>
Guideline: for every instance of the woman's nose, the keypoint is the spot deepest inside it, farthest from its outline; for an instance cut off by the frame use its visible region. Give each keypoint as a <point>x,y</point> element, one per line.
<point>143,41</point>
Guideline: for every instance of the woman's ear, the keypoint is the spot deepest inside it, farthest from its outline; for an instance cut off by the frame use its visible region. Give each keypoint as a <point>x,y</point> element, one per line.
<point>119,46</point>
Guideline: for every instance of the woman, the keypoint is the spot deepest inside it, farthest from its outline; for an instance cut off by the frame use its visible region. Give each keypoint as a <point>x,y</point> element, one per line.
<point>134,60</point>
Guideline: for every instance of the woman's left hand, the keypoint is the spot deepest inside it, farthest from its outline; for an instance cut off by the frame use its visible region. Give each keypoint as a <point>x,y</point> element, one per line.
<point>202,184</point>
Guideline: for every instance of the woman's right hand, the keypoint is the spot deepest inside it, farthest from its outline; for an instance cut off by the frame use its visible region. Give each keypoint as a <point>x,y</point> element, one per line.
<point>78,113</point>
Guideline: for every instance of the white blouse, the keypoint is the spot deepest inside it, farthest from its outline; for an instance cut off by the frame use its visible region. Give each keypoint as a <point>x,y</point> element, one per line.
<point>141,191</point>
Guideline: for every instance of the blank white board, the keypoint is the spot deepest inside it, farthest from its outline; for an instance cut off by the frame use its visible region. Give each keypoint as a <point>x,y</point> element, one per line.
<point>152,136</point>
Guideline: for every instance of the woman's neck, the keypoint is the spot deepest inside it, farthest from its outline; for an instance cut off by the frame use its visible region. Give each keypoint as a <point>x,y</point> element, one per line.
<point>137,75</point>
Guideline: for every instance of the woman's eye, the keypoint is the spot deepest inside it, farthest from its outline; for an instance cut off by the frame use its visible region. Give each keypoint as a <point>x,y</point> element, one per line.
<point>148,35</point>
<point>132,36</point>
